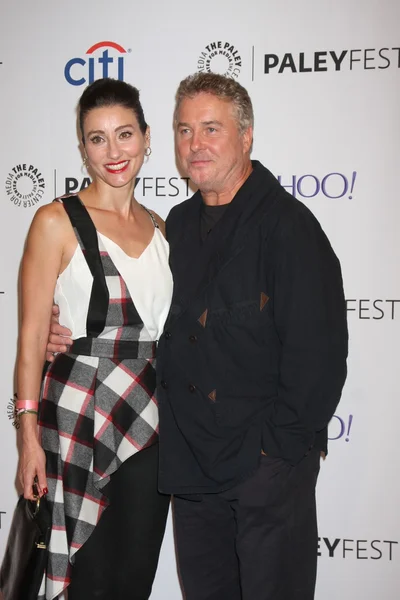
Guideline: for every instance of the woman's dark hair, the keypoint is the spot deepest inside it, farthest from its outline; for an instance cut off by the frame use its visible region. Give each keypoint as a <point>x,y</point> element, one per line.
<point>110,92</point>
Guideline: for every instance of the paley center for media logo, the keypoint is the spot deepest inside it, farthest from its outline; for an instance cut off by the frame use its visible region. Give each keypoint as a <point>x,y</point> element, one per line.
<point>223,57</point>
<point>11,412</point>
<point>356,59</point>
<point>104,59</point>
<point>220,57</point>
<point>25,185</point>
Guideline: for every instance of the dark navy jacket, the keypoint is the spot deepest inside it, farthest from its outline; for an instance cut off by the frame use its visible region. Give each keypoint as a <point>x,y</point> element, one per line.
<point>253,355</point>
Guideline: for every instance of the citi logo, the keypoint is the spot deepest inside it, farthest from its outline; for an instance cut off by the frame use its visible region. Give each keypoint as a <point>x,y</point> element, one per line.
<point>104,59</point>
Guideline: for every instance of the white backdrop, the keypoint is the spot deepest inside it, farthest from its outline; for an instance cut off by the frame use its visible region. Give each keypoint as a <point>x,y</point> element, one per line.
<point>324,79</point>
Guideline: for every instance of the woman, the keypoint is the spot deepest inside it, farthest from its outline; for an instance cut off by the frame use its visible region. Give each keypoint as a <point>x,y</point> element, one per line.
<point>96,453</point>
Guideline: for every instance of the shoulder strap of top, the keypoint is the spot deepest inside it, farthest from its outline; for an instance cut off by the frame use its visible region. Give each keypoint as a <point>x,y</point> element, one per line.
<point>67,203</point>
<point>151,216</point>
<point>87,237</point>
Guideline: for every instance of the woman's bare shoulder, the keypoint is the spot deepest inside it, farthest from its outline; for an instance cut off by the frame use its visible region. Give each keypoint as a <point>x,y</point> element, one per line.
<point>51,218</point>
<point>53,211</point>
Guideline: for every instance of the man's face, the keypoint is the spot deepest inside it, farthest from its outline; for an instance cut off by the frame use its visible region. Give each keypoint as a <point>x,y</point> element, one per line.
<point>209,145</point>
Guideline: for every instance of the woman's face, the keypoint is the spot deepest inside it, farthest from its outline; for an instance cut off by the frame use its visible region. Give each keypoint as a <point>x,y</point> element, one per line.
<point>114,144</point>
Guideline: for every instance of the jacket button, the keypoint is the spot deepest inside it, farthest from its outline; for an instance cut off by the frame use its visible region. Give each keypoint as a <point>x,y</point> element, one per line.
<point>163,384</point>
<point>167,335</point>
<point>192,388</point>
<point>193,338</point>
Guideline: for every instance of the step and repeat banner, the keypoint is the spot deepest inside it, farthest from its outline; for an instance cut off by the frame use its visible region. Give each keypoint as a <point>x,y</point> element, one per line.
<point>325,82</point>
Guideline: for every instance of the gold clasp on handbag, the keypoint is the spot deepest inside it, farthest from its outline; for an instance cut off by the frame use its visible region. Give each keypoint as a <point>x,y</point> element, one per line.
<point>37,500</point>
<point>41,546</point>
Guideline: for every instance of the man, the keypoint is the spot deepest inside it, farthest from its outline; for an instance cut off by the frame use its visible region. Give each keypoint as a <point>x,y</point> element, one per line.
<point>251,364</point>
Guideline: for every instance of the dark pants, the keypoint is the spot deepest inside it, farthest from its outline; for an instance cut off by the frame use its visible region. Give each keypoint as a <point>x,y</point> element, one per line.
<point>120,558</point>
<point>257,541</point>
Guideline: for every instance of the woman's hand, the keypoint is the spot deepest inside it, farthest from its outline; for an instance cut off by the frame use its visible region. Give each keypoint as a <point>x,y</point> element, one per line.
<point>59,340</point>
<point>32,463</point>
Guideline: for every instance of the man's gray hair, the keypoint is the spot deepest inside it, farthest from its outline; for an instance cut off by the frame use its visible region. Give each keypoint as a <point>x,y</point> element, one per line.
<point>222,87</point>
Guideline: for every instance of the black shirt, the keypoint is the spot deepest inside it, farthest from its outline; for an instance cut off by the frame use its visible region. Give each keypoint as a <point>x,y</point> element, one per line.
<point>210,215</point>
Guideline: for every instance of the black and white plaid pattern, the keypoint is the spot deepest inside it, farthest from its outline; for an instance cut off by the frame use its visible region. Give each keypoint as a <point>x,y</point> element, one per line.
<point>96,411</point>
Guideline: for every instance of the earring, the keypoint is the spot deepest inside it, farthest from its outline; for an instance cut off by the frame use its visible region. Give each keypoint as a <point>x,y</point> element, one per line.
<point>85,162</point>
<point>147,152</point>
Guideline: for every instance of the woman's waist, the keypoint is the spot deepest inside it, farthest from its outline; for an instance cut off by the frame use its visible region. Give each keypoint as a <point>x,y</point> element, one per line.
<point>113,348</point>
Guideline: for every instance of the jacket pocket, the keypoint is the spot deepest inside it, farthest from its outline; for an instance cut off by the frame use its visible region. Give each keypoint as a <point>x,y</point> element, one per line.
<point>235,313</point>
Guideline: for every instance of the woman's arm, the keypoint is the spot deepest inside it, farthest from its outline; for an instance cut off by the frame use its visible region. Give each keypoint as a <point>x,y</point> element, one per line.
<point>41,265</point>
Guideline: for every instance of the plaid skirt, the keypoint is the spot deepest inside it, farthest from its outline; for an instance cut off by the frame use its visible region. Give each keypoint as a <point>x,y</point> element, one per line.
<point>97,409</point>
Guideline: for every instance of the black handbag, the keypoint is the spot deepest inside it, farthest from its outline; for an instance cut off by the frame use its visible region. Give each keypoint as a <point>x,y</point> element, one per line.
<point>25,558</point>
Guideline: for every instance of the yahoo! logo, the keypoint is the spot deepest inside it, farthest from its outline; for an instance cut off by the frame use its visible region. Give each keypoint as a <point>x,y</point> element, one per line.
<point>339,427</point>
<point>332,185</point>
<point>75,75</point>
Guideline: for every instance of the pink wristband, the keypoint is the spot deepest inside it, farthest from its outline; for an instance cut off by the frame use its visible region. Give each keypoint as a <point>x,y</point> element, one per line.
<point>26,405</point>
